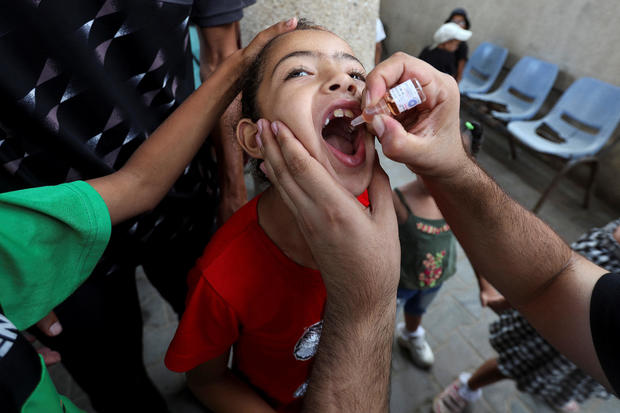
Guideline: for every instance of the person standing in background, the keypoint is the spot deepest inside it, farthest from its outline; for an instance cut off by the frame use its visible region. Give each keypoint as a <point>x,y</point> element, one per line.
<point>219,35</point>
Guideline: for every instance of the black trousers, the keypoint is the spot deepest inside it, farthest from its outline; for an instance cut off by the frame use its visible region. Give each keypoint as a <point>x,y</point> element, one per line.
<point>101,342</point>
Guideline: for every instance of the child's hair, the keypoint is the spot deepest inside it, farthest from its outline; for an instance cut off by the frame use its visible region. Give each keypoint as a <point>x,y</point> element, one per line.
<point>254,75</point>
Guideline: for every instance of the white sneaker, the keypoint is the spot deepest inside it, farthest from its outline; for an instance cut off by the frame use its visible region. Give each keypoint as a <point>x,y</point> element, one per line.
<point>456,397</point>
<point>419,349</point>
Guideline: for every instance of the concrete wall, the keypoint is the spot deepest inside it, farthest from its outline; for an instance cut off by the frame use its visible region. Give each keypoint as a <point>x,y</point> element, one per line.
<point>581,36</point>
<point>353,20</point>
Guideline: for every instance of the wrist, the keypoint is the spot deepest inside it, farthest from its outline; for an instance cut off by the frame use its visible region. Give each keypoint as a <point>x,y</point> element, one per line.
<point>359,310</point>
<point>229,73</point>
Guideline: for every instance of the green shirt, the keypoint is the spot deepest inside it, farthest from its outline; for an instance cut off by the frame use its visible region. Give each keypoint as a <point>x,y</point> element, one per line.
<point>50,240</point>
<point>428,251</point>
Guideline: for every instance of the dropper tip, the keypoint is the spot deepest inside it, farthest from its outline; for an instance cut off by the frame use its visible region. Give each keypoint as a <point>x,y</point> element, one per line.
<point>357,121</point>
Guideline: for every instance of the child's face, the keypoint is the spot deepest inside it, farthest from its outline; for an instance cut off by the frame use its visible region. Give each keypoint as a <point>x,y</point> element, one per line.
<point>311,78</point>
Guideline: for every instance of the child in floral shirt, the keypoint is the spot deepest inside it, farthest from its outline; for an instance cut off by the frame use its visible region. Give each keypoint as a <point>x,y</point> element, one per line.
<point>428,258</point>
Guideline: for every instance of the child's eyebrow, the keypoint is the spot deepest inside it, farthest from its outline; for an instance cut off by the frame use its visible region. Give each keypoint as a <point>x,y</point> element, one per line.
<point>309,53</point>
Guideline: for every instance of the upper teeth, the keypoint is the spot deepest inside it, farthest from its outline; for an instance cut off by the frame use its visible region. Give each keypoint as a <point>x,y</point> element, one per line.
<point>339,113</point>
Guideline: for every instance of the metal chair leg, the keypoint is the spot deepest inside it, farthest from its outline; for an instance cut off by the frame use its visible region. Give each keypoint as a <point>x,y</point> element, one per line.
<point>565,169</point>
<point>513,149</point>
<point>594,167</point>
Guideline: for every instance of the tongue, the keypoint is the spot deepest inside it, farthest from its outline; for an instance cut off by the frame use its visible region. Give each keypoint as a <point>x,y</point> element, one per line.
<point>340,143</point>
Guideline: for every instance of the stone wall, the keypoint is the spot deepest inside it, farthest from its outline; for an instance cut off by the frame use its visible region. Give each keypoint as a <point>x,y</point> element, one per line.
<point>353,20</point>
<point>580,36</point>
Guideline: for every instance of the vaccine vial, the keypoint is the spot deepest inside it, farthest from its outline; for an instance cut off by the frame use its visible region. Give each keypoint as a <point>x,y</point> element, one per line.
<point>396,101</point>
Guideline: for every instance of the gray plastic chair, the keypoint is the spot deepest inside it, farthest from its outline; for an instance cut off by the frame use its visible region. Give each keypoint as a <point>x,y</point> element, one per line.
<point>523,91</point>
<point>482,68</point>
<point>576,129</point>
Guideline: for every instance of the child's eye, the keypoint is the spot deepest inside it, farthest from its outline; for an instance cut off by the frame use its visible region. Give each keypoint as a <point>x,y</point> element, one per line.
<point>297,73</point>
<point>357,75</point>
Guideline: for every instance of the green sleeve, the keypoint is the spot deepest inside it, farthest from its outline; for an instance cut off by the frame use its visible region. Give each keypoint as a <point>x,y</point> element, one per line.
<point>45,398</point>
<point>50,240</point>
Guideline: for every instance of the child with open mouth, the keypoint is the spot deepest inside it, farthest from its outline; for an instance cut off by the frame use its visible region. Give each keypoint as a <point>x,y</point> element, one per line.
<point>257,288</point>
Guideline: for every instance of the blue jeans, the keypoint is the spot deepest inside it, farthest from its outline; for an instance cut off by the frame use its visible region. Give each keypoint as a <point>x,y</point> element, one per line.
<point>417,301</point>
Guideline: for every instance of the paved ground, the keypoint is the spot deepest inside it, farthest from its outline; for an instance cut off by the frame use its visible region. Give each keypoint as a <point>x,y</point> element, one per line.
<point>457,327</point>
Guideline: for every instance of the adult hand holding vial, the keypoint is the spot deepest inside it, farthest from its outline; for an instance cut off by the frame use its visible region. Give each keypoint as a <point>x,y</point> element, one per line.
<point>399,99</point>
<point>431,143</point>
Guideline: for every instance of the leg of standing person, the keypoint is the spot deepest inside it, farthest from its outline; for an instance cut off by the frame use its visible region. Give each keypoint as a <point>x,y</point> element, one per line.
<point>108,305</point>
<point>467,388</point>
<point>411,335</point>
<point>180,237</point>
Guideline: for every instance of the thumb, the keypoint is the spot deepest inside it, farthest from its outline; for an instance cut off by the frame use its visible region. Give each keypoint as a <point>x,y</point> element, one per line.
<point>49,325</point>
<point>396,142</point>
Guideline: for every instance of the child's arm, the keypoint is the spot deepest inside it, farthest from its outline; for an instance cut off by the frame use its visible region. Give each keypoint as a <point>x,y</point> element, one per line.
<point>148,175</point>
<point>221,391</point>
<point>401,211</point>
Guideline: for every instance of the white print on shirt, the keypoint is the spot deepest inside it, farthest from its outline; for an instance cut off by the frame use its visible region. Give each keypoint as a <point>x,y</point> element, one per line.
<point>305,349</point>
<point>8,335</point>
<point>308,343</point>
<point>301,390</point>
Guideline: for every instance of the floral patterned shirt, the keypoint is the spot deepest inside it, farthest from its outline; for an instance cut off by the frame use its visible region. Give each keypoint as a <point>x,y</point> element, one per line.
<point>428,251</point>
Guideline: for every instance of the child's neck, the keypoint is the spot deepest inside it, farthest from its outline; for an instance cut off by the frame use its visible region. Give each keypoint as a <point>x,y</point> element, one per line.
<point>420,200</point>
<point>280,225</point>
<point>419,187</point>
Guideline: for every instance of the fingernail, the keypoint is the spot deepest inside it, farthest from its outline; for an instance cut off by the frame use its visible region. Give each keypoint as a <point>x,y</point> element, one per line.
<point>377,124</point>
<point>259,125</point>
<point>55,329</point>
<point>274,128</point>
<point>368,100</point>
<point>290,22</point>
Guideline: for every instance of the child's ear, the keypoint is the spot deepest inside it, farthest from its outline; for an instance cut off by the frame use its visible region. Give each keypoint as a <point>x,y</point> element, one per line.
<point>246,136</point>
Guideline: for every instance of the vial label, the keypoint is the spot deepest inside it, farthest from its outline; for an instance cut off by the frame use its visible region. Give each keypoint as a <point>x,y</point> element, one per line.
<point>405,96</point>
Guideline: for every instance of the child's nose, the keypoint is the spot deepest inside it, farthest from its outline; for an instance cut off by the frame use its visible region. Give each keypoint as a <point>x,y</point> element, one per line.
<point>341,83</point>
<point>351,88</point>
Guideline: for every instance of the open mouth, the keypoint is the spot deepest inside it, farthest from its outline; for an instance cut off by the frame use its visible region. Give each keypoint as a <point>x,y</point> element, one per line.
<point>338,132</point>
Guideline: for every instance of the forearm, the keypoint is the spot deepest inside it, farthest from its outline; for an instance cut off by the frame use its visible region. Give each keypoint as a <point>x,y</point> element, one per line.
<point>154,167</point>
<point>216,44</point>
<point>517,252</point>
<point>524,259</point>
<point>351,372</point>
<point>228,394</point>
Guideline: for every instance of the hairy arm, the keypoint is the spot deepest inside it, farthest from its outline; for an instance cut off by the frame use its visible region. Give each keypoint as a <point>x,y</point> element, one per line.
<point>520,255</point>
<point>358,253</point>
<point>221,391</point>
<point>351,371</point>
<point>524,259</point>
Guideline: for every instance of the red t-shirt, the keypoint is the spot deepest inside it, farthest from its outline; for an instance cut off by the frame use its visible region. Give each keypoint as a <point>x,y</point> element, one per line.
<point>245,292</point>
